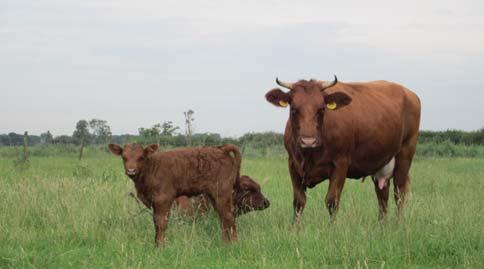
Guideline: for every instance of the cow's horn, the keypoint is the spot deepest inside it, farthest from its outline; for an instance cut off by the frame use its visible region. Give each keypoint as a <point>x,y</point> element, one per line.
<point>328,84</point>
<point>285,84</point>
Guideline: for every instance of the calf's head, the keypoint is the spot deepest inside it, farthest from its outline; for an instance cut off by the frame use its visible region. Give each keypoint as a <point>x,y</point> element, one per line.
<point>134,156</point>
<point>308,103</point>
<point>247,196</point>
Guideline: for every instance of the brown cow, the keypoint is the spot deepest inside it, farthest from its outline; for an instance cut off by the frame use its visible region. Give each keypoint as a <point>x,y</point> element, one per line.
<point>348,130</point>
<point>160,177</point>
<point>246,197</point>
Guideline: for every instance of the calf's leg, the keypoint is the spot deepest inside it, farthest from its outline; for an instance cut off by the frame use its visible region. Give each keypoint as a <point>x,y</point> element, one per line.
<point>225,211</point>
<point>161,211</point>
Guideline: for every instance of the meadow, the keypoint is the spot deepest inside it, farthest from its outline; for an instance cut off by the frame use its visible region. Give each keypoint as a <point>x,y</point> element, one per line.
<point>62,213</point>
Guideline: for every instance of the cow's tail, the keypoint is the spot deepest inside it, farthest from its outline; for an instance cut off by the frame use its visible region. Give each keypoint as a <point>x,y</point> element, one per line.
<point>230,149</point>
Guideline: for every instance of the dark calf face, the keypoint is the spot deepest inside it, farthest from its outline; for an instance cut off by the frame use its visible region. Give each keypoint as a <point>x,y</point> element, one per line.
<point>134,156</point>
<point>308,104</point>
<point>248,197</point>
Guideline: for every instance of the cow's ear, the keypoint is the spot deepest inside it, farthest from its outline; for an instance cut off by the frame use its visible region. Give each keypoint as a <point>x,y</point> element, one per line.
<point>151,149</point>
<point>278,97</point>
<point>115,149</point>
<point>337,100</point>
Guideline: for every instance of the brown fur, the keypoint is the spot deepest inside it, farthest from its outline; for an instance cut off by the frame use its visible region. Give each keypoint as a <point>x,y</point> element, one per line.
<point>161,177</point>
<point>192,206</point>
<point>373,122</point>
<point>246,197</point>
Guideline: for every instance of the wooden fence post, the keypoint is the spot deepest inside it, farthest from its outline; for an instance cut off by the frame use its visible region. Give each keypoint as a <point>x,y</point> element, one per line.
<point>26,142</point>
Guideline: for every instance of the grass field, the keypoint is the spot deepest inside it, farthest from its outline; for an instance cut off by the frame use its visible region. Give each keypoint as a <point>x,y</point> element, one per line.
<point>62,214</point>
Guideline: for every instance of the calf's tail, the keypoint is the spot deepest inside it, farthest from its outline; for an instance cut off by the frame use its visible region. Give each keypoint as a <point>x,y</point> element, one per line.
<point>230,148</point>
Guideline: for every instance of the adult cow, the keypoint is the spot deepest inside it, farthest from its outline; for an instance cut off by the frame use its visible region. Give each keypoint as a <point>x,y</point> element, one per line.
<point>341,130</point>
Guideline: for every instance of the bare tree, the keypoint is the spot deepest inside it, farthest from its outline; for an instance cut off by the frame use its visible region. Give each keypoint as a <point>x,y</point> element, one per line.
<point>189,124</point>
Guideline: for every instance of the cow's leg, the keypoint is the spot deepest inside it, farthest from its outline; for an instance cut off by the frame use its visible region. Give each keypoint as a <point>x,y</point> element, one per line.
<point>223,206</point>
<point>336,183</point>
<point>161,211</point>
<point>299,192</point>
<point>382,195</point>
<point>401,178</point>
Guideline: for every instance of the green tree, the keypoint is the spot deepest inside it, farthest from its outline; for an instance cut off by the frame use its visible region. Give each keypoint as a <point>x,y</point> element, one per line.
<point>151,135</point>
<point>168,128</point>
<point>15,139</point>
<point>63,140</point>
<point>100,130</point>
<point>150,132</point>
<point>46,138</point>
<point>81,134</point>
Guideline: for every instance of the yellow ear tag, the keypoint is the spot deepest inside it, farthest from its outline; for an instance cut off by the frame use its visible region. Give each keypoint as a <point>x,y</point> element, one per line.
<point>283,104</point>
<point>331,106</point>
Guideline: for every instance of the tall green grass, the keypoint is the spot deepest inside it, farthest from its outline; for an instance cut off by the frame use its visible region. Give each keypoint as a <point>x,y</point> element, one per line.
<point>429,149</point>
<point>58,215</point>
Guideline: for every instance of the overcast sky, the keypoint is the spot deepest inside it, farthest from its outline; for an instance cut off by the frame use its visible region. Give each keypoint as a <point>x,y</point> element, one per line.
<point>136,63</point>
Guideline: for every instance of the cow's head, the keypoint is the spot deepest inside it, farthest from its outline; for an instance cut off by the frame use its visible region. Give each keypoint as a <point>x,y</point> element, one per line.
<point>248,197</point>
<point>308,103</point>
<point>134,156</point>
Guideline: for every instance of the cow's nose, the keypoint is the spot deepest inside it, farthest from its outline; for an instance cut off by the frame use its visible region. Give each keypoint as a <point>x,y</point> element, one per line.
<point>266,203</point>
<point>307,141</point>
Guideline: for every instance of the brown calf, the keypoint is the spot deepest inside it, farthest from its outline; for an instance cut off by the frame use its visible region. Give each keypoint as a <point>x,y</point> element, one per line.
<point>161,177</point>
<point>246,197</point>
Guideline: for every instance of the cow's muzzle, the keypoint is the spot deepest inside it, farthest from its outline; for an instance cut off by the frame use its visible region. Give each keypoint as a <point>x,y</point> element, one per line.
<point>308,142</point>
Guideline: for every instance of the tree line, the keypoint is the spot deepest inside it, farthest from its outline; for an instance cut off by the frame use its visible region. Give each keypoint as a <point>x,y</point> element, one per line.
<point>456,137</point>
<point>98,132</point>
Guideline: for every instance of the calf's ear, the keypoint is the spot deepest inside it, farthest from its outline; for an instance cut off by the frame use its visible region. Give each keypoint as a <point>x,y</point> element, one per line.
<point>248,183</point>
<point>278,98</point>
<point>337,100</point>
<point>115,149</point>
<point>151,149</point>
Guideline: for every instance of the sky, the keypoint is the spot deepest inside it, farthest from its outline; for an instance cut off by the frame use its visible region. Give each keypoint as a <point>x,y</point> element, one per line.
<point>137,63</point>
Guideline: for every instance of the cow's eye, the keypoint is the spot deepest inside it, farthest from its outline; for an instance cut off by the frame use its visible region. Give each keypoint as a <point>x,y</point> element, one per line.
<point>293,111</point>
<point>321,111</point>
<point>141,158</point>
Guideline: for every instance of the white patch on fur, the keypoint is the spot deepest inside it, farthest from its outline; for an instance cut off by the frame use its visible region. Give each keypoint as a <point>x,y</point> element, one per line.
<point>384,174</point>
<point>387,170</point>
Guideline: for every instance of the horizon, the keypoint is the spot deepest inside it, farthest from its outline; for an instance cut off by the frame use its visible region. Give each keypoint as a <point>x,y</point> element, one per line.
<point>223,136</point>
